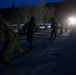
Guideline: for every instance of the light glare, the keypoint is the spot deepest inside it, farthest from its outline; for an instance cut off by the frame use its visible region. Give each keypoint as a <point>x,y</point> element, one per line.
<point>72,20</point>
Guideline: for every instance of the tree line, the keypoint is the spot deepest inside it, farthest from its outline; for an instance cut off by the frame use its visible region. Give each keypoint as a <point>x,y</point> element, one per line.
<point>42,11</point>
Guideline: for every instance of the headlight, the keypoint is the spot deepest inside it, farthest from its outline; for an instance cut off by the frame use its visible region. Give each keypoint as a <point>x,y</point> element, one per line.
<point>72,21</point>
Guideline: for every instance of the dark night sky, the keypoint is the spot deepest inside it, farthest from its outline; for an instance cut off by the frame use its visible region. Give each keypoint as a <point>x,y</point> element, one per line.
<point>8,3</point>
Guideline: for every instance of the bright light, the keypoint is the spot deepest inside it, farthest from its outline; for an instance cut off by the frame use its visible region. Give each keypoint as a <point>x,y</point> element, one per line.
<point>72,20</point>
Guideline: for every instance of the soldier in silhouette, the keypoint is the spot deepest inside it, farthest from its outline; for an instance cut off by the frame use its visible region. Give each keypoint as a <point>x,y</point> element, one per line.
<point>53,29</point>
<point>61,27</point>
<point>10,44</point>
<point>29,29</point>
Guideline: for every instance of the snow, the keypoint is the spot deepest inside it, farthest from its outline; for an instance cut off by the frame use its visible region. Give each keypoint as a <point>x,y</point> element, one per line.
<point>44,59</point>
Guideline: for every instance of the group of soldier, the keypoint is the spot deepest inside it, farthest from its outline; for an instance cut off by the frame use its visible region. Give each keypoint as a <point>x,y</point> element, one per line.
<point>10,44</point>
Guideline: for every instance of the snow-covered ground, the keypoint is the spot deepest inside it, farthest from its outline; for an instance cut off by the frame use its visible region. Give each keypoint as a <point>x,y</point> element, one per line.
<point>44,59</point>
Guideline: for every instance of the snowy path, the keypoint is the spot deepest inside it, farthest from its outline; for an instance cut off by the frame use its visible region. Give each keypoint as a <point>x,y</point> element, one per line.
<point>45,59</point>
<point>68,58</point>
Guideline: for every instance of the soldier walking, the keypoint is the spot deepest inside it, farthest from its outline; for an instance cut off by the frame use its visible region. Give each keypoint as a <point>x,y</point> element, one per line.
<point>54,29</point>
<point>10,44</point>
<point>29,29</point>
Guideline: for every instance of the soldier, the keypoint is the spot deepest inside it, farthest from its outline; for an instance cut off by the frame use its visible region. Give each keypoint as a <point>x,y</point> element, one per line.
<point>10,44</point>
<point>29,27</point>
<point>54,29</point>
<point>61,27</point>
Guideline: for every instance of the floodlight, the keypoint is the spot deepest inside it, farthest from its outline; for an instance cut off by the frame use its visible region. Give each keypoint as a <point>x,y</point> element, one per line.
<point>72,20</point>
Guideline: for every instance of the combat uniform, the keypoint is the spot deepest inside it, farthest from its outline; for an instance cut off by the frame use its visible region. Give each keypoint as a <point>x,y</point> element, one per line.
<point>10,43</point>
<point>54,29</point>
<point>30,28</point>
